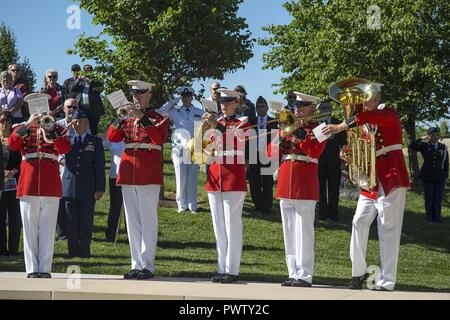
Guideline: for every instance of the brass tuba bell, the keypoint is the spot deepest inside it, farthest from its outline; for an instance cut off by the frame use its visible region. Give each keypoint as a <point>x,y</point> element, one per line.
<point>360,152</point>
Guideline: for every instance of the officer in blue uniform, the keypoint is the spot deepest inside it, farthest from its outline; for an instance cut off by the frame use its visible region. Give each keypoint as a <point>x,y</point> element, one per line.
<point>434,171</point>
<point>83,183</point>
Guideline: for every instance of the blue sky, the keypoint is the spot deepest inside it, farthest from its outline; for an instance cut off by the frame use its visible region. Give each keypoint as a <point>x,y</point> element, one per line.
<point>42,37</point>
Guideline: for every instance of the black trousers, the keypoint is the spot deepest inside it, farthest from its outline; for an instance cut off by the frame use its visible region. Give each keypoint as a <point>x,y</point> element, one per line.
<point>329,184</point>
<point>62,219</point>
<point>261,187</point>
<point>115,205</point>
<point>433,194</point>
<point>93,122</point>
<point>80,221</point>
<point>10,207</point>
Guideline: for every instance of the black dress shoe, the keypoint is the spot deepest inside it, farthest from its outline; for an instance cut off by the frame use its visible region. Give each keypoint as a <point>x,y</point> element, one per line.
<point>288,282</point>
<point>132,274</point>
<point>229,278</point>
<point>301,283</point>
<point>144,274</point>
<point>217,277</point>
<point>357,282</point>
<point>33,275</point>
<point>45,275</point>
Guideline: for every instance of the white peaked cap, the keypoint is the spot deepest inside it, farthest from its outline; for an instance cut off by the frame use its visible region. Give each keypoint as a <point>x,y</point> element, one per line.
<point>227,93</point>
<point>185,89</point>
<point>140,85</point>
<point>306,98</point>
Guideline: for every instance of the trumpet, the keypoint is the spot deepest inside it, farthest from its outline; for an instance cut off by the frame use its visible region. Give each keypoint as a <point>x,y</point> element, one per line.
<point>123,113</point>
<point>288,122</point>
<point>47,120</point>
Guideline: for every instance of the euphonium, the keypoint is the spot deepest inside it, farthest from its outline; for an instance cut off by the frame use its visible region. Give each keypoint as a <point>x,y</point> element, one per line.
<point>360,151</point>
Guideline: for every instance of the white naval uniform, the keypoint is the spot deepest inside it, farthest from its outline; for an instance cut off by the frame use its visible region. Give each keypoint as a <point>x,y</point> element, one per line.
<point>141,204</point>
<point>226,213</point>
<point>389,211</point>
<point>186,174</point>
<point>298,230</point>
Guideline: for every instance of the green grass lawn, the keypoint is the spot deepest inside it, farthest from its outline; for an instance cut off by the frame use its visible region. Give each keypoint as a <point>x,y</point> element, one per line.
<point>186,245</point>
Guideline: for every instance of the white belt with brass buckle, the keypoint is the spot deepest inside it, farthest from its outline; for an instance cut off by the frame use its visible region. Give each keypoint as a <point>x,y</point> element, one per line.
<point>40,155</point>
<point>228,153</point>
<point>146,146</point>
<point>387,149</point>
<point>299,157</point>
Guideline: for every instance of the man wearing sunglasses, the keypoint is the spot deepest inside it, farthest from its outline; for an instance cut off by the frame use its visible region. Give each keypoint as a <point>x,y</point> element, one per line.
<point>291,98</point>
<point>141,175</point>
<point>19,83</point>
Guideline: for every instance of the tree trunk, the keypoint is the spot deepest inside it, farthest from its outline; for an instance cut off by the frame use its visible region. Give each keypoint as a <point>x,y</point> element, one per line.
<point>410,128</point>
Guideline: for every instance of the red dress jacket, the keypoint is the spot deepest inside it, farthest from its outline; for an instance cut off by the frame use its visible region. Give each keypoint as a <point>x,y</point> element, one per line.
<point>140,166</point>
<point>229,175</point>
<point>298,180</point>
<point>390,167</point>
<point>39,176</point>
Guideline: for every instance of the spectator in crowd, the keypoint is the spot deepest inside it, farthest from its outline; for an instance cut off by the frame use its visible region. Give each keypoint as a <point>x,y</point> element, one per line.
<point>11,98</point>
<point>74,86</point>
<point>83,183</point>
<point>291,97</point>
<point>434,171</point>
<point>330,169</point>
<point>93,105</point>
<point>70,108</point>
<point>261,185</point>
<point>54,90</point>
<point>9,204</point>
<point>246,108</point>
<point>22,85</point>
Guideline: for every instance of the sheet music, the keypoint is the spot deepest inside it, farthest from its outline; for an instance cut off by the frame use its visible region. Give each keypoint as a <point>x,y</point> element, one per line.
<point>318,133</point>
<point>210,106</point>
<point>117,99</point>
<point>275,105</point>
<point>38,105</point>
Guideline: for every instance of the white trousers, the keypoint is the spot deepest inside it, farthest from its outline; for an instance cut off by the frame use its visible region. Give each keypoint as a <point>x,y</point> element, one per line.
<point>390,211</point>
<point>140,204</point>
<point>298,230</point>
<point>186,177</point>
<point>39,215</point>
<point>226,213</point>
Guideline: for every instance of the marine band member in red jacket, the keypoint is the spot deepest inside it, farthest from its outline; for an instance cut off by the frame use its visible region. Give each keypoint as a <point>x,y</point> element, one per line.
<point>226,187</point>
<point>140,175</point>
<point>298,191</point>
<point>39,190</point>
<point>386,200</point>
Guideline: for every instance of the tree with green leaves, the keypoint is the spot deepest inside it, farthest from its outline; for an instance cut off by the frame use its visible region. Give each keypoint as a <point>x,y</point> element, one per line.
<point>170,43</point>
<point>9,55</point>
<point>401,43</point>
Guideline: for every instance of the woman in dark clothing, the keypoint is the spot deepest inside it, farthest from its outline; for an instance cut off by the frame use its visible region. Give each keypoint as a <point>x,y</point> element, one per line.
<point>9,204</point>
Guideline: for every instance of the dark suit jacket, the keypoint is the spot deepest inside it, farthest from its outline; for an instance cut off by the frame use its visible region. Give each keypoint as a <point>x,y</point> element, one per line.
<point>84,171</point>
<point>269,127</point>
<point>330,155</point>
<point>95,100</point>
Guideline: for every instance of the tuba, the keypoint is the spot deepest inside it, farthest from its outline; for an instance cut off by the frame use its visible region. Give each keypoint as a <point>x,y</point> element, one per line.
<point>360,152</point>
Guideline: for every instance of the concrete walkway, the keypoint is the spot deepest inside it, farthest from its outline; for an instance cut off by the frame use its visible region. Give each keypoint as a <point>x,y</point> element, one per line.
<point>14,285</point>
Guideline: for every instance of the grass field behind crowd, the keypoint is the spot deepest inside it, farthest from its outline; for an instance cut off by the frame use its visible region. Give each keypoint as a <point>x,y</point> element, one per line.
<point>186,246</point>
